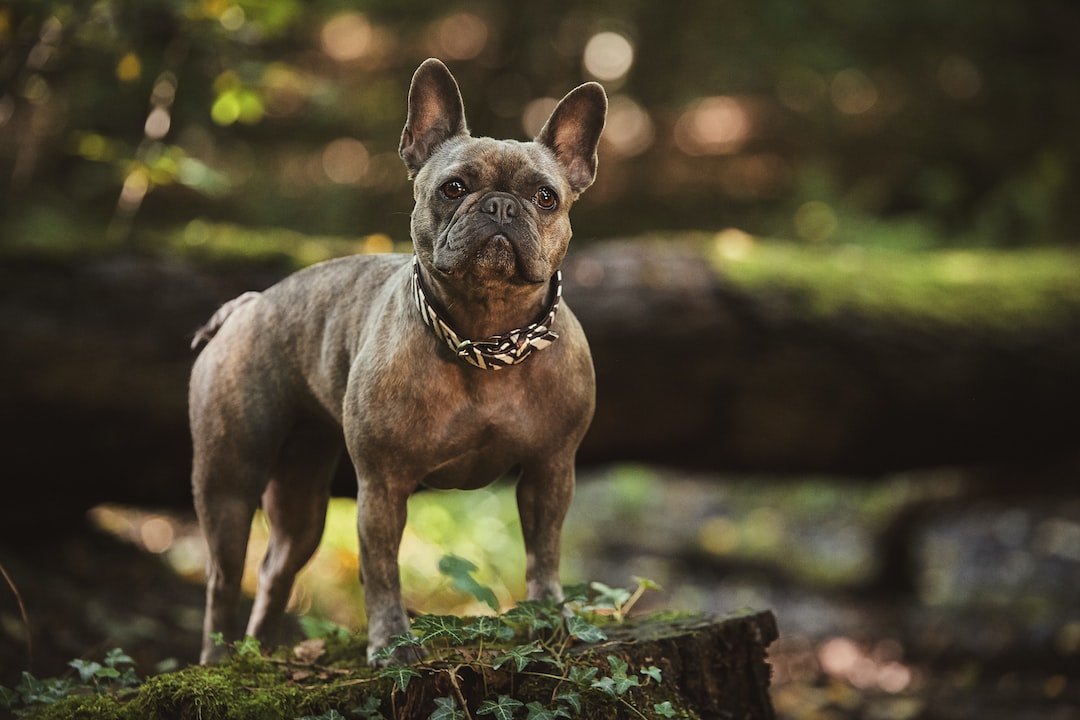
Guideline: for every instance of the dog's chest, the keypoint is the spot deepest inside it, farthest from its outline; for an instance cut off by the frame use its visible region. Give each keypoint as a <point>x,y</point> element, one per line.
<point>446,433</point>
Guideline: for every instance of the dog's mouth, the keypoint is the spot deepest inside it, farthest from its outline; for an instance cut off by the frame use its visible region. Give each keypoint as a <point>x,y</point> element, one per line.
<point>499,255</point>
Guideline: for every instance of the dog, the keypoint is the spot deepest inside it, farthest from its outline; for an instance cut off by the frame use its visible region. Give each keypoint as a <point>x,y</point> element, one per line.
<point>448,368</point>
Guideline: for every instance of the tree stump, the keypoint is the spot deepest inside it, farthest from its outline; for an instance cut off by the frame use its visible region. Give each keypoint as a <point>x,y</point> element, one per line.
<point>649,668</point>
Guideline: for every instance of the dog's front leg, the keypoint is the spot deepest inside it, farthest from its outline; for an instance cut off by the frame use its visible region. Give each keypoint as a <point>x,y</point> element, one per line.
<point>381,513</point>
<point>544,492</point>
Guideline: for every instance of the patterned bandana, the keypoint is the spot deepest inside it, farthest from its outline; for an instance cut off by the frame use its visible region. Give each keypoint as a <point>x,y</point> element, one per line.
<point>498,351</point>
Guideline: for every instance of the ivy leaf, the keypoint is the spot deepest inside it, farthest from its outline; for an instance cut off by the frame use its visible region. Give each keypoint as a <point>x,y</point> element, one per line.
<point>488,628</point>
<point>584,631</point>
<point>440,627</point>
<point>535,614</point>
<point>539,712</point>
<point>618,665</point>
<point>618,683</point>
<point>87,669</point>
<point>605,684</point>
<point>520,656</point>
<point>665,709</point>
<point>572,699</point>
<point>582,675</point>
<point>446,709</point>
<point>400,674</point>
<point>502,709</point>
<point>397,641</point>
<point>609,597</point>
<point>652,672</point>
<point>460,571</point>
<point>116,656</point>
<point>577,593</point>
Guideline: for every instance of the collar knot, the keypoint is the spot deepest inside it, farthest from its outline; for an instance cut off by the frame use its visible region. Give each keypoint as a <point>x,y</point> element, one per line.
<point>497,351</point>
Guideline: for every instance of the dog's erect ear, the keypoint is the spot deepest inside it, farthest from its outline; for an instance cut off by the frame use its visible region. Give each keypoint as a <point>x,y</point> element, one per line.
<point>436,114</point>
<point>573,131</point>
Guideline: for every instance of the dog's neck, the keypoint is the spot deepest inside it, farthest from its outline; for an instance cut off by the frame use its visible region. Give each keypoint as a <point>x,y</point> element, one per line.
<point>489,351</point>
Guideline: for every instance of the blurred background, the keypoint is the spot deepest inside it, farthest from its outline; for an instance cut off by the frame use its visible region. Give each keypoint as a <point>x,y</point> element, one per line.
<point>829,270</point>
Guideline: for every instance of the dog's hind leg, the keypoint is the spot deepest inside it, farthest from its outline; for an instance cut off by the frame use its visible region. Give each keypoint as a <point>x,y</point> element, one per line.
<point>225,510</point>
<point>295,502</point>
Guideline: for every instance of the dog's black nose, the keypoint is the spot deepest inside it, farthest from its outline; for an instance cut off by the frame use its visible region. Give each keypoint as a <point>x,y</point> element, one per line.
<point>501,206</point>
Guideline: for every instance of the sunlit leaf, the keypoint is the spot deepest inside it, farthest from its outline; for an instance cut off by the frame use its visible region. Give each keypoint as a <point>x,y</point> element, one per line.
<point>447,628</point>
<point>584,631</point>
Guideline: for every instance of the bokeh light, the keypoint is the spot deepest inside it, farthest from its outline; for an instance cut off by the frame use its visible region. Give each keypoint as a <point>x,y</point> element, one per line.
<point>853,92</point>
<point>347,37</point>
<point>716,125</point>
<point>629,130</point>
<point>345,161</point>
<point>608,56</point>
<point>459,36</point>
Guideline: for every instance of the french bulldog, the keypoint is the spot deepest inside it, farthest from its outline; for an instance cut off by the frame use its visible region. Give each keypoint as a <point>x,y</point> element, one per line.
<point>448,368</point>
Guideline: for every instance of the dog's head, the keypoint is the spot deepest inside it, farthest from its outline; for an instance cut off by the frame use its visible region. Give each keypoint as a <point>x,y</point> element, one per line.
<point>495,211</point>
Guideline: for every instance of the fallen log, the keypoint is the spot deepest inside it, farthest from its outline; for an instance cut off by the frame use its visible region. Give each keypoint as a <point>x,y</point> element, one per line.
<point>692,371</point>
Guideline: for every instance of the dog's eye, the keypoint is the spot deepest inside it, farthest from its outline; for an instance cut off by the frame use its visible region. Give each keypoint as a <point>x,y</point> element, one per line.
<point>454,189</point>
<point>546,199</point>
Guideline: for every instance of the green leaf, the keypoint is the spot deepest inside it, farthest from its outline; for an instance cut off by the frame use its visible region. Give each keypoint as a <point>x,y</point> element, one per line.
<point>397,641</point>
<point>652,672</point>
<point>609,597</point>
<point>107,673</point>
<point>87,669</point>
<point>584,630</point>
<point>535,614</point>
<point>447,628</point>
<point>248,646</point>
<point>460,571</point>
<point>582,675</point>
<point>647,584</point>
<point>618,683</point>
<point>520,655</point>
<point>577,593</point>
<point>665,709</point>
<point>446,709</point>
<point>540,712</point>
<point>400,674</point>
<point>502,709</point>
<point>486,627</point>
<point>606,684</point>
<point>572,699</point>
<point>116,656</point>
<point>618,665</point>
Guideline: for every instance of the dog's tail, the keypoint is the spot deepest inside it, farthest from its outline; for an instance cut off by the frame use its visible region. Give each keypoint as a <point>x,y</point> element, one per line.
<point>210,329</point>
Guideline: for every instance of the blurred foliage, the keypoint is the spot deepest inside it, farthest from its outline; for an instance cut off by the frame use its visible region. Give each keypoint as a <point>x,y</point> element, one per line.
<point>795,120</point>
<point>997,288</point>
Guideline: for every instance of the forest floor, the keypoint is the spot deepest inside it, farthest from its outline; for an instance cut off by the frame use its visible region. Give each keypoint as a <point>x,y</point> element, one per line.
<point>990,627</point>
